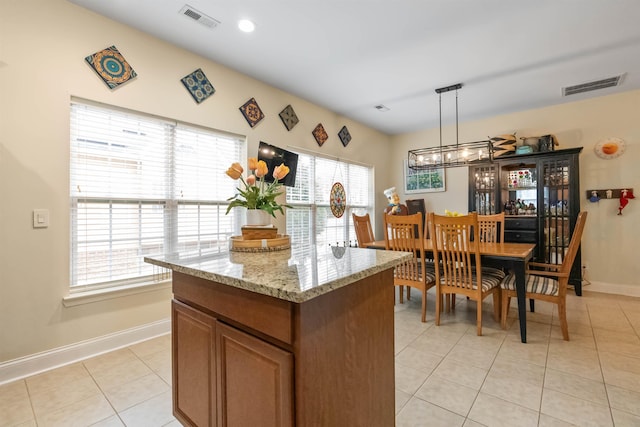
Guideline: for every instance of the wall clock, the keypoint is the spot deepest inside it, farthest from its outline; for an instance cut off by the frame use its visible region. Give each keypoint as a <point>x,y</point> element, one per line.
<point>609,148</point>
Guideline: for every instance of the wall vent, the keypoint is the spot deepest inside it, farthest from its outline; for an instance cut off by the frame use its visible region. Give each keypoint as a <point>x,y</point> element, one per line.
<point>199,17</point>
<point>594,85</point>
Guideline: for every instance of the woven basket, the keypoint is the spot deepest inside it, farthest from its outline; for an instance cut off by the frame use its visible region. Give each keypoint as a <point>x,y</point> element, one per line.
<point>280,242</point>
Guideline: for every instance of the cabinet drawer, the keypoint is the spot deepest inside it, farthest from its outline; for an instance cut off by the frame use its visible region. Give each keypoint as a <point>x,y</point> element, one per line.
<point>520,223</point>
<point>262,313</point>
<point>521,236</point>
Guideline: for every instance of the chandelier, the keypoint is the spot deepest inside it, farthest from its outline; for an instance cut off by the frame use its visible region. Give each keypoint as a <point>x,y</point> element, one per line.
<point>455,155</point>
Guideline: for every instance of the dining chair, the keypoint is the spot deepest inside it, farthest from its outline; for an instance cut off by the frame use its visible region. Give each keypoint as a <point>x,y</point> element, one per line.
<point>416,272</point>
<point>458,264</point>
<point>417,205</point>
<point>550,282</point>
<point>491,228</point>
<point>364,232</point>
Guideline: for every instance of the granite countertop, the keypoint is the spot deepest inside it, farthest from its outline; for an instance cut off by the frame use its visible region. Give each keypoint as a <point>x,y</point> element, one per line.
<point>297,274</point>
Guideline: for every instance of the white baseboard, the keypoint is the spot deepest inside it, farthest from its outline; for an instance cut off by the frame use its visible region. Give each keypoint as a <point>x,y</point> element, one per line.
<point>40,362</point>
<point>612,288</point>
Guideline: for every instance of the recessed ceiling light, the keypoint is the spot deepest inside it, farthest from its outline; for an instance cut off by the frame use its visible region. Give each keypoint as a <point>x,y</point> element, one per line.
<point>246,25</point>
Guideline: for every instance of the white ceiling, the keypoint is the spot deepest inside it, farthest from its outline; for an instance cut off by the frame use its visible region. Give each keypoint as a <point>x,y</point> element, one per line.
<point>351,55</point>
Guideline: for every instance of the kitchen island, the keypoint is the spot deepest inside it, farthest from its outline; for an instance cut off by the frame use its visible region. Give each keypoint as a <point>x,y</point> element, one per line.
<point>303,336</point>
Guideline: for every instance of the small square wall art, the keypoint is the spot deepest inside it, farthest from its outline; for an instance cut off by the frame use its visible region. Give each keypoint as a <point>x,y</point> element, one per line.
<point>111,66</point>
<point>198,85</point>
<point>320,134</point>
<point>344,136</point>
<point>252,112</point>
<point>288,117</point>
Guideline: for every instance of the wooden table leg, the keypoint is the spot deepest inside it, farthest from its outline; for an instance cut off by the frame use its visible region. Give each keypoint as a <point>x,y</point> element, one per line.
<point>519,267</point>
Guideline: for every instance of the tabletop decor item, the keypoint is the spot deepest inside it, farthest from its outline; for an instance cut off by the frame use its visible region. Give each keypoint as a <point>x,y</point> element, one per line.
<point>255,193</point>
<point>198,85</point>
<point>252,112</point>
<point>111,66</point>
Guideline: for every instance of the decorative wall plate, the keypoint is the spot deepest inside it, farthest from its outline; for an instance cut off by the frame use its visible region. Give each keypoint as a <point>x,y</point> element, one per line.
<point>320,134</point>
<point>111,66</point>
<point>288,117</point>
<point>252,112</point>
<point>338,200</point>
<point>609,148</point>
<point>344,136</point>
<point>198,85</point>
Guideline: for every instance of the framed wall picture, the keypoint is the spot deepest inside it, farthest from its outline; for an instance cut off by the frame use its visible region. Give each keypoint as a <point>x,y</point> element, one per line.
<point>423,181</point>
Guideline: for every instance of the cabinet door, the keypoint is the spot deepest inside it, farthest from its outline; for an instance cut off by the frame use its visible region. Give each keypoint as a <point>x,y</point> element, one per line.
<point>255,381</point>
<point>194,385</point>
<point>560,209</point>
<point>483,185</point>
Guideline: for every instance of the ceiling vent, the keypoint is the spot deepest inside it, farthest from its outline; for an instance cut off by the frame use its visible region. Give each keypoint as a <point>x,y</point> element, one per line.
<point>594,85</point>
<point>199,17</point>
<point>382,108</point>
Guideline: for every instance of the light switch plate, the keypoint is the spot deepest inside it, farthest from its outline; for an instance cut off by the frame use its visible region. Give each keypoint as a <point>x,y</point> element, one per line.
<point>40,218</point>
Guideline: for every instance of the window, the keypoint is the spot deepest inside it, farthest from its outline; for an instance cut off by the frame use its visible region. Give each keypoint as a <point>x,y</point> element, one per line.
<point>144,186</point>
<point>312,218</point>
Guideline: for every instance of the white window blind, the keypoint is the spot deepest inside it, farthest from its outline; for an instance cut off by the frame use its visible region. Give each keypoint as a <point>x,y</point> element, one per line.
<point>144,186</point>
<point>312,220</point>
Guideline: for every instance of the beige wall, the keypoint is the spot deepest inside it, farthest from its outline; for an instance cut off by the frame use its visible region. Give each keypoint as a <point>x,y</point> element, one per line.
<point>42,48</point>
<point>609,244</point>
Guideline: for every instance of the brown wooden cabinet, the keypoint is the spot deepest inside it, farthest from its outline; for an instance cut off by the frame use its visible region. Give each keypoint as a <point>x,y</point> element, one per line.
<point>254,381</point>
<point>540,195</point>
<point>219,370</point>
<point>194,369</point>
<point>245,359</point>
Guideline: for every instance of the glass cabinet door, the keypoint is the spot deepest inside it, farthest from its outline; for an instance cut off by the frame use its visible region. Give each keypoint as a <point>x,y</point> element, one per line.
<point>556,215</point>
<point>483,183</point>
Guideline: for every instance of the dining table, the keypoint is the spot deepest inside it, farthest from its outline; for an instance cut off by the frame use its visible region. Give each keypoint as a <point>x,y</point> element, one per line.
<point>511,256</point>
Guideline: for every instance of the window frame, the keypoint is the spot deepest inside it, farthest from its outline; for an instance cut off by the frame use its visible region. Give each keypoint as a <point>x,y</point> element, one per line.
<point>172,206</point>
<point>316,203</point>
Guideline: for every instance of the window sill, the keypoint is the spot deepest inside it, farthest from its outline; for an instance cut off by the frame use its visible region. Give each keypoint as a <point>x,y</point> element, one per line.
<point>98,295</point>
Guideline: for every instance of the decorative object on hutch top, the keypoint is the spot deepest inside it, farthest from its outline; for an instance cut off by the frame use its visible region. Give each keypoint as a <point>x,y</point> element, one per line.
<point>540,143</point>
<point>111,66</point>
<point>503,145</point>
<point>540,196</point>
<point>288,117</point>
<point>320,134</point>
<point>252,112</point>
<point>458,154</point>
<point>198,85</point>
<point>344,135</point>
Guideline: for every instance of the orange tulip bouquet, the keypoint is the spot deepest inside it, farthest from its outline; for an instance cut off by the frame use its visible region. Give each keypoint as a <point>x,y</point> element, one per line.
<point>258,194</point>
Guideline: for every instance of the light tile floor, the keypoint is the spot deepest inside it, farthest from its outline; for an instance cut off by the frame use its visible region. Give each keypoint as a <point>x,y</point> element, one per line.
<point>445,376</point>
